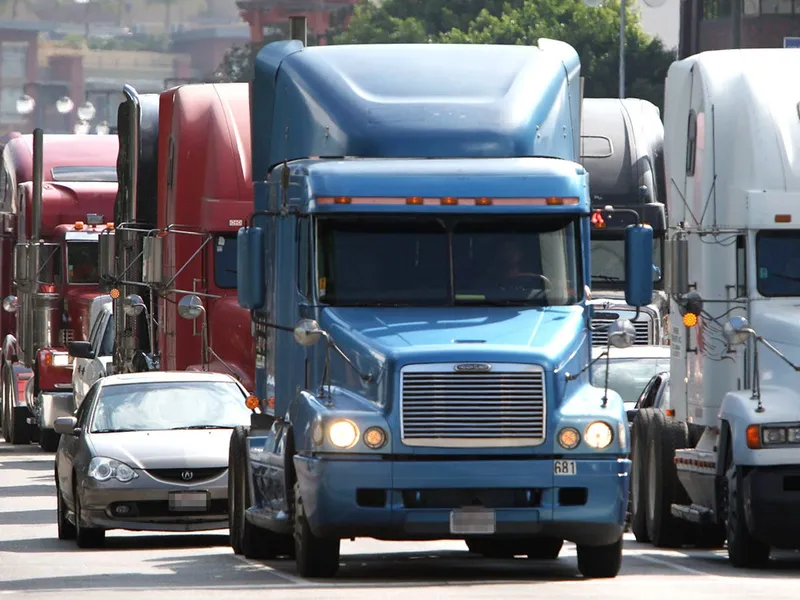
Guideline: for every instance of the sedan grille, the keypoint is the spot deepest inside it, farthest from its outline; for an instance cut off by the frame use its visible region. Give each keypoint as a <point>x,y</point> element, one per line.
<point>643,327</point>
<point>447,408</point>
<point>188,475</point>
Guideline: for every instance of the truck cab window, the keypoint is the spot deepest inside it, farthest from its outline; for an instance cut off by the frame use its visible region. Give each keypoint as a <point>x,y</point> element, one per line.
<point>107,343</point>
<point>50,266</point>
<point>778,263</point>
<point>225,261</point>
<point>444,261</point>
<point>82,261</point>
<point>608,261</point>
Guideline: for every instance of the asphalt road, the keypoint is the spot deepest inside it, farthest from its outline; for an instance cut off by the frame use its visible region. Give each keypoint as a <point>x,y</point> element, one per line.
<point>35,564</point>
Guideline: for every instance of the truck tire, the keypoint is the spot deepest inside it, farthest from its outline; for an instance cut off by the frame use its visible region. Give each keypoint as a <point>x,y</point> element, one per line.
<point>17,431</point>
<point>596,562</point>
<point>744,550</point>
<point>48,440</point>
<point>638,490</point>
<point>663,487</point>
<point>246,538</point>
<point>493,548</point>
<point>544,548</point>
<point>314,556</point>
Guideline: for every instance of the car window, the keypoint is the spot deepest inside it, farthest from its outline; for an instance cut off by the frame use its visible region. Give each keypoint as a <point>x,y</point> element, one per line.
<point>628,376</point>
<point>663,399</point>
<point>98,322</point>
<point>85,407</point>
<point>641,402</point>
<point>170,405</point>
<point>107,344</point>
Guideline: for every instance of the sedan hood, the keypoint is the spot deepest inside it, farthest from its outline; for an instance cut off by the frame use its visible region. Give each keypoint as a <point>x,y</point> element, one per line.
<point>177,449</point>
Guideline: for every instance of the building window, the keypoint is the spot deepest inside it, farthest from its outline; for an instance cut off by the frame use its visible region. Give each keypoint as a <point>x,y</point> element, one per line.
<point>13,69</point>
<point>751,7</point>
<point>716,9</point>
<point>776,7</point>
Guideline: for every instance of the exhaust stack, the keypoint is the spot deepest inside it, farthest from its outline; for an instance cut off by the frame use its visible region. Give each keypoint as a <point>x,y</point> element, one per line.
<point>38,177</point>
<point>298,29</point>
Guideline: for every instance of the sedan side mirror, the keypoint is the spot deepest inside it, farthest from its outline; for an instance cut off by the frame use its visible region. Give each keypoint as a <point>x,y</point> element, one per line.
<point>66,426</point>
<point>80,349</point>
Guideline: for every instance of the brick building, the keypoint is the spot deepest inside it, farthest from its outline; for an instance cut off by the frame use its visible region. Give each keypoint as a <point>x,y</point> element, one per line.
<point>722,24</point>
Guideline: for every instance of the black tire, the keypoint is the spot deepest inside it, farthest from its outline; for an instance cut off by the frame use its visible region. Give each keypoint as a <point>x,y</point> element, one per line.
<point>544,548</point>
<point>663,487</point>
<point>86,537</point>
<point>19,431</point>
<point>494,548</point>
<point>246,538</point>
<point>48,440</point>
<point>638,489</point>
<point>314,556</point>
<point>66,530</point>
<point>600,562</point>
<point>744,550</point>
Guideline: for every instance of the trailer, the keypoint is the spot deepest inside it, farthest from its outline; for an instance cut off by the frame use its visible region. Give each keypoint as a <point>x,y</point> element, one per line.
<point>724,461</point>
<point>59,192</point>
<point>622,148</point>
<point>402,392</point>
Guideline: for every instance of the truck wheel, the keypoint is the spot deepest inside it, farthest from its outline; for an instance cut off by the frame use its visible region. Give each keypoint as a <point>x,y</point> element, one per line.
<point>315,557</point>
<point>638,492</point>
<point>596,562</point>
<point>66,530</point>
<point>744,550</point>
<point>544,548</point>
<point>48,440</point>
<point>19,430</point>
<point>86,537</point>
<point>663,487</point>
<point>246,538</point>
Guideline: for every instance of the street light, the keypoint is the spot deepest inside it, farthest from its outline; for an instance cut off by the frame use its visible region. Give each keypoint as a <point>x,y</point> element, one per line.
<point>25,104</point>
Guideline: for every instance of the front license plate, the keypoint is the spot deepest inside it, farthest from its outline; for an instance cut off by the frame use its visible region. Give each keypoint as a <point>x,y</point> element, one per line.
<point>194,501</point>
<point>472,521</point>
<point>565,467</point>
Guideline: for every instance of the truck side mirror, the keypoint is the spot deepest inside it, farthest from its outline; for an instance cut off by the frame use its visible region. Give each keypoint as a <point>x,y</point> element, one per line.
<point>638,265</point>
<point>80,349</point>
<point>250,283</point>
<point>10,304</point>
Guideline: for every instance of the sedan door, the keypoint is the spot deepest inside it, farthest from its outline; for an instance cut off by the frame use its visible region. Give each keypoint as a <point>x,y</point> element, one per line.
<point>70,446</point>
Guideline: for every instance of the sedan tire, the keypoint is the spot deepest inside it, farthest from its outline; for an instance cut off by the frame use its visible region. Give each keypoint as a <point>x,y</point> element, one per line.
<point>86,537</point>
<point>66,530</point>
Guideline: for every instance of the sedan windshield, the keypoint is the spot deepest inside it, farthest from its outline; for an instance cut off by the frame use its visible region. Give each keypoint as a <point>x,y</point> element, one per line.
<point>432,261</point>
<point>628,376</point>
<point>170,405</point>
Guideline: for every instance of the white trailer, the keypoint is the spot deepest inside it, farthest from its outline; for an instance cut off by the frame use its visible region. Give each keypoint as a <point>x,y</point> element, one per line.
<point>724,461</point>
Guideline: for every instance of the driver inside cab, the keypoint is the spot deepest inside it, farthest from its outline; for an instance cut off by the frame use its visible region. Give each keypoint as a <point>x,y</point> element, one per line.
<point>516,279</point>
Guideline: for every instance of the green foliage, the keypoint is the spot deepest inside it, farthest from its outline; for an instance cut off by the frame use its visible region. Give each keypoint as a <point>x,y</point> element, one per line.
<point>593,32</point>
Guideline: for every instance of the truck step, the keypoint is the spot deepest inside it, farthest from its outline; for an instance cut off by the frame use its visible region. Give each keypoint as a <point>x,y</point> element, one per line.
<point>694,513</point>
<point>31,421</point>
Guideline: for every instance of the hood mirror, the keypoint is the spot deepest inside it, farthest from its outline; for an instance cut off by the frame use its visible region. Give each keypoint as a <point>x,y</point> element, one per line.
<point>10,304</point>
<point>133,305</point>
<point>737,330</point>
<point>190,307</point>
<point>308,332</point>
<point>621,334</point>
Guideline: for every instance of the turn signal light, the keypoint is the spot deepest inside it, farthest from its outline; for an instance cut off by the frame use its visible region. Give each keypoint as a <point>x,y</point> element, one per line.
<point>753,436</point>
<point>415,200</point>
<point>251,402</point>
<point>690,319</point>
<point>78,225</point>
<point>449,201</point>
<point>342,200</point>
<point>114,293</point>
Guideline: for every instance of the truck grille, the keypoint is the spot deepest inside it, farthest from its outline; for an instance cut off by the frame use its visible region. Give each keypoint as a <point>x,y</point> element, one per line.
<point>643,331</point>
<point>445,407</point>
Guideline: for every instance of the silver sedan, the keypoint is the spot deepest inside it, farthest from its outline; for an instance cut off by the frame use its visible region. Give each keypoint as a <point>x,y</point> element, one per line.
<point>147,451</point>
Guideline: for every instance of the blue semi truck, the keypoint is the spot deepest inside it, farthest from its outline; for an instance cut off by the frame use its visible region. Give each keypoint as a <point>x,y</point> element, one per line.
<point>416,268</point>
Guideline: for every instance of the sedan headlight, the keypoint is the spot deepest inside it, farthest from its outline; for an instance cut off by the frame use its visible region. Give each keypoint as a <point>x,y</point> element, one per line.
<point>103,469</point>
<point>343,434</point>
<point>599,435</point>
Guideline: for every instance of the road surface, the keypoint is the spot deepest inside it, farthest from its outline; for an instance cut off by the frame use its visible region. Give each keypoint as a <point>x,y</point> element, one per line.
<point>35,564</point>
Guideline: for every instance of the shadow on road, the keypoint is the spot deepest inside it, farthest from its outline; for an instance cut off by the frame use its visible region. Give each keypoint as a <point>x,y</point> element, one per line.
<point>27,517</point>
<point>28,491</point>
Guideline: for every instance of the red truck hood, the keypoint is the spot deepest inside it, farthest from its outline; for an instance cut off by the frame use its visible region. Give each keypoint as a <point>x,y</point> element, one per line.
<point>78,300</point>
<point>230,338</point>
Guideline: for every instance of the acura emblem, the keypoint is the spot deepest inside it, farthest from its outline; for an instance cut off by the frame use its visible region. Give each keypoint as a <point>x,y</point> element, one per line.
<point>187,475</point>
<point>473,367</point>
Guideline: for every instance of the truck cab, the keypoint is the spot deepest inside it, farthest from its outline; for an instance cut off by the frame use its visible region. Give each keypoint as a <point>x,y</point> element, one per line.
<point>622,149</point>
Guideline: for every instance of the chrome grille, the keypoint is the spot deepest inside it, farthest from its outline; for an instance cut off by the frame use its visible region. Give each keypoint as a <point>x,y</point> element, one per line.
<point>445,408</point>
<point>67,336</point>
<point>643,332</point>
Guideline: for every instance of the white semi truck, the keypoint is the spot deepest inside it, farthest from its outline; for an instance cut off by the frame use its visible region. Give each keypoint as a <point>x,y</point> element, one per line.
<point>724,461</point>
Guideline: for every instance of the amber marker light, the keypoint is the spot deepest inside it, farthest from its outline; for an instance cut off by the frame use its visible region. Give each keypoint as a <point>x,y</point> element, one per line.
<point>690,319</point>
<point>416,200</point>
<point>753,436</point>
<point>251,402</point>
<point>114,293</point>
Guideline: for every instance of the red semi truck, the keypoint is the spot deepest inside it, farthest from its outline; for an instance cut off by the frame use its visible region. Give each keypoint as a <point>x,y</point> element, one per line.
<point>57,195</point>
<point>204,194</point>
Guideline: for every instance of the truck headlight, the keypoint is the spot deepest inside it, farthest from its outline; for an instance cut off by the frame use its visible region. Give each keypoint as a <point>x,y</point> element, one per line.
<point>103,469</point>
<point>599,435</point>
<point>343,434</point>
<point>569,438</point>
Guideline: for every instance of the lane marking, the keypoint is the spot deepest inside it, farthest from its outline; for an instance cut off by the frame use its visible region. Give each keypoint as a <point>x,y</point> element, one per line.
<point>677,567</point>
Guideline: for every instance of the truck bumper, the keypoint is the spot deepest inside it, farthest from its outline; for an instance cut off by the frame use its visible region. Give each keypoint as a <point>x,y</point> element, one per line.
<point>52,405</point>
<point>413,500</point>
<point>772,500</point>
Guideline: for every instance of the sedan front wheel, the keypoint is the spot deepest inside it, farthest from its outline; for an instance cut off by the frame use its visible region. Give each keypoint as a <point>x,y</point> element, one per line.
<point>86,537</point>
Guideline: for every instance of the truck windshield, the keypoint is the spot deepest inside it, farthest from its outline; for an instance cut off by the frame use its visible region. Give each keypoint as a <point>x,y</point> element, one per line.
<point>225,261</point>
<point>82,260</point>
<point>374,261</point>
<point>608,262</point>
<point>778,263</point>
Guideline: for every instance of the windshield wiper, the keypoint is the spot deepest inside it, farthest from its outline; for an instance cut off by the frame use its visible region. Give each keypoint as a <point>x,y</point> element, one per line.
<point>379,303</point>
<point>787,277</point>
<point>527,303</point>
<point>113,430</point>
<point>611,278</point>
<point>202,427</point>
